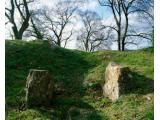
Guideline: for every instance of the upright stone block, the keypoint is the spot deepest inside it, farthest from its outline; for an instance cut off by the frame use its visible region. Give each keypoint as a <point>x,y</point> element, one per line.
<point>39,88</point>
<point>117,81</point>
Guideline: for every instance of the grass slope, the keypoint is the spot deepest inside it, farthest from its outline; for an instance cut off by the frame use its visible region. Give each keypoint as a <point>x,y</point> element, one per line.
<point>78,78</point>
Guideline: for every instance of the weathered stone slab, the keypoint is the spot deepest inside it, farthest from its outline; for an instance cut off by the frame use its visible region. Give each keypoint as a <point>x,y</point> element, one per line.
<point>39,88</point>
<point>117,80</point>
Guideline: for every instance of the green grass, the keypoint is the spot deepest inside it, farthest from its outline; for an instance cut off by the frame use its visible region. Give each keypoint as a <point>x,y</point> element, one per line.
<point>78,77</point>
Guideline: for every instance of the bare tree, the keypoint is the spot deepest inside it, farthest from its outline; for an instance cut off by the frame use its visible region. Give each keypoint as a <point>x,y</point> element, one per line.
<point>24,12</point>
<point>91,36</point>
<point>56,22</point>
<point>36,28</point>
<point>146,14</point>
<point>121,10</point>
<point>37,32</point>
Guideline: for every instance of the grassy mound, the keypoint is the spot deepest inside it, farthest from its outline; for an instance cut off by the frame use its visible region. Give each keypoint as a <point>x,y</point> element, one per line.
<point>78,78</point>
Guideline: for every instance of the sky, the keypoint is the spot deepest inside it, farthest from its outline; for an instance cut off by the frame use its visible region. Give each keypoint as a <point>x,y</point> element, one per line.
<point>93,5</point>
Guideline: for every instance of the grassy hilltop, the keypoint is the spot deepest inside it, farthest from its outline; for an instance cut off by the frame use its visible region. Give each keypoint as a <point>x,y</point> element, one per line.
<point>78,77</point>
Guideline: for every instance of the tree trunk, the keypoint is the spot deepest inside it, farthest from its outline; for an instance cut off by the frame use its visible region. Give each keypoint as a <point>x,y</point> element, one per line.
<point>17,35</point>
<point>119,43</point>
<point>123,46</point>
<point>119,38</point>
<point>59,42</point>
<point>125,32</point>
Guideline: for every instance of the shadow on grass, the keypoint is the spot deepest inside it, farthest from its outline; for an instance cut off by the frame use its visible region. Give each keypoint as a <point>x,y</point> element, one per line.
<point>69,109</point>
<point>140,84</point>
<point>67,67</point>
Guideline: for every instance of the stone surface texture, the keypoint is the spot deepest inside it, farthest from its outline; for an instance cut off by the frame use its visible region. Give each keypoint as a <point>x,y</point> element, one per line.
<point>117,81</point>
<point>39,88</point>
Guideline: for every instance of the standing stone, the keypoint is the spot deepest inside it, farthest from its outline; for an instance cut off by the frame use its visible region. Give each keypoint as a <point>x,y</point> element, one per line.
<point>117,81</point>
<point>39,88</point>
